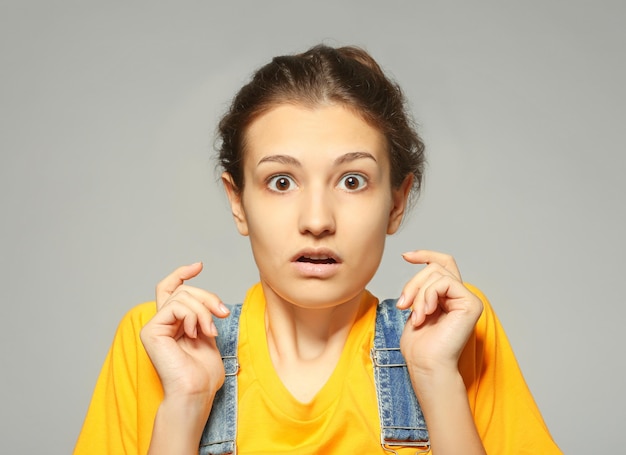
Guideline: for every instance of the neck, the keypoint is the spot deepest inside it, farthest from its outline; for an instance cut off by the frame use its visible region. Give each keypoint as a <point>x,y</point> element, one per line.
<point>305,334</point>
<point>305,344</point>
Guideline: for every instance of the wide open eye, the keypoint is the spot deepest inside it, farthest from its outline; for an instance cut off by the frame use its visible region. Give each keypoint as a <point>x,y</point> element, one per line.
<point>352,182</point>
<point>281,183</point>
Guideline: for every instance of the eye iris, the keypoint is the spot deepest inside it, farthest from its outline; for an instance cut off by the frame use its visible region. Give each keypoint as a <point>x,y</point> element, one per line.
<point>352,182</point>
<point>282,183</point>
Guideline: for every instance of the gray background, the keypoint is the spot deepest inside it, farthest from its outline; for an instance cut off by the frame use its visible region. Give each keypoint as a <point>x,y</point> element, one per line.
<point>107,180</point>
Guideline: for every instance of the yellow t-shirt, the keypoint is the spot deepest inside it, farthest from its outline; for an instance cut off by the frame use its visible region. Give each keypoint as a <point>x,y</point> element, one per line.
<point>270,420</point>
<point>343,416</point>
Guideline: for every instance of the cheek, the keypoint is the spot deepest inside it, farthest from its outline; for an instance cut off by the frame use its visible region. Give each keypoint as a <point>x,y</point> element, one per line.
<point>373,212</point>
<point>368,226</point>
<point>268,229</point>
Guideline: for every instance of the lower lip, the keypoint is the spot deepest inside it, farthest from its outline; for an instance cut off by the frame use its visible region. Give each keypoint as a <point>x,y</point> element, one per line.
<point>312,270</point>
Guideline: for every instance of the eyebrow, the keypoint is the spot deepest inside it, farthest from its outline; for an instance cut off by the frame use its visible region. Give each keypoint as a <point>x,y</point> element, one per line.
<point>286,159</point>
<point>352,156</point>
<point>282,159</point>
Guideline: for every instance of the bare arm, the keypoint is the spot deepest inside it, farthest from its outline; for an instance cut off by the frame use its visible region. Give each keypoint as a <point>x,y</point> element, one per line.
<point>450,422</point>
<point>444,313</point>
<point>180,341</point>
<point>178,425</point>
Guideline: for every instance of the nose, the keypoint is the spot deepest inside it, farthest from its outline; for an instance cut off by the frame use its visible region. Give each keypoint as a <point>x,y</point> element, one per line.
<point>317,216</point>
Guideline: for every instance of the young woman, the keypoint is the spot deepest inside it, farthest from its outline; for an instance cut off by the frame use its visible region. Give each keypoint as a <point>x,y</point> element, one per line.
<point>319,163</point>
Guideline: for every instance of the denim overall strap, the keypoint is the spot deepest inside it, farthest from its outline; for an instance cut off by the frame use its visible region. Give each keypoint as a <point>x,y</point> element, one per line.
<point>401,419</point>
<point>220,431</point>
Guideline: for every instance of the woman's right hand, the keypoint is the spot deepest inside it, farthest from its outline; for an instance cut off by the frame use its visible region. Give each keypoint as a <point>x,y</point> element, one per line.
<point>180,338</point>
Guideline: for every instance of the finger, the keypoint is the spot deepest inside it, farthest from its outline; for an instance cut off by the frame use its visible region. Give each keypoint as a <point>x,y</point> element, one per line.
<point>412,287</point>
<point>421,306</point>
<point>173,321</point>
<point>178,319</point>
<point>451,295</point>
<point>208,299</point>
<point>170,283</point>
<point>203,309</point>
<point>433,257</point>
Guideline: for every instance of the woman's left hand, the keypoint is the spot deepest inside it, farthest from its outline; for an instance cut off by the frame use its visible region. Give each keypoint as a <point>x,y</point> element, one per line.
<point>444,313</point>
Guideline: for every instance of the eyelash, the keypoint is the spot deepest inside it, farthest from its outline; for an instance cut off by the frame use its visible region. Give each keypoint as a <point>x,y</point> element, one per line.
<point>271,182</point>
<point>275,179</point>
<point>362,180</point>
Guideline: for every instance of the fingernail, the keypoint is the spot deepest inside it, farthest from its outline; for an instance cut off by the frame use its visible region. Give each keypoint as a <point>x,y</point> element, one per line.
<point>213,329</point>
<point>400,301</point>
<point>223,308</point>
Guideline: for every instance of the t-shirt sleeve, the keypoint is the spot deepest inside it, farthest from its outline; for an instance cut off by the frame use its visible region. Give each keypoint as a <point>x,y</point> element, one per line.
<point>506,415</point>
<point>121,413</point>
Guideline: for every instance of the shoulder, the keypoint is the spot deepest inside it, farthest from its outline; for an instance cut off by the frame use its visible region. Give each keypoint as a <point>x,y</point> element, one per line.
<point>140,314</point>
<point>133,321</point>
<point>488,318</point>
<point>488,354</point>
<point>504,409</point>
<point>478,293</point>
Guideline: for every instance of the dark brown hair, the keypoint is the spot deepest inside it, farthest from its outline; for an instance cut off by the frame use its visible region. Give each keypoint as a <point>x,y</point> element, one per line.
<point>347,76</point>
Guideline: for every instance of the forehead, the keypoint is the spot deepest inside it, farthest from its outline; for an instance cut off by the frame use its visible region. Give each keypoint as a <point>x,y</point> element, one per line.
<point>299,130</point>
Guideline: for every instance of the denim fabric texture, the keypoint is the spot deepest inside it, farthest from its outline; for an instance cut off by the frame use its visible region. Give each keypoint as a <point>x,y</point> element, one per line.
<point>401,418</point>
<point>220,431</point>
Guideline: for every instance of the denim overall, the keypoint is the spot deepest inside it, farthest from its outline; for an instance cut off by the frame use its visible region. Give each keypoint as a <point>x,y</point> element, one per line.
<point>401,419</point>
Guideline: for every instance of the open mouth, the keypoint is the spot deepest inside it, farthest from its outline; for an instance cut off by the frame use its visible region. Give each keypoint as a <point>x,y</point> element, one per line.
<point>319,263</point>
<point>316,260</point>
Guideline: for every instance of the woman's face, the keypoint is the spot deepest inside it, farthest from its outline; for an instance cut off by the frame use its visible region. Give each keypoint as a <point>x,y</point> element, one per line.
<point>317,203</point>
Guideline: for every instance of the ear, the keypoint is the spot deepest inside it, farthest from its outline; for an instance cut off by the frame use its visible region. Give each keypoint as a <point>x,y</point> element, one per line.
<point>236,204</point>
<point>399,197</point>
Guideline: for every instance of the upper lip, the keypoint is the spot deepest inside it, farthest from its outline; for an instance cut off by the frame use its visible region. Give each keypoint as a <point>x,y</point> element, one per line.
<point>317,254</point>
